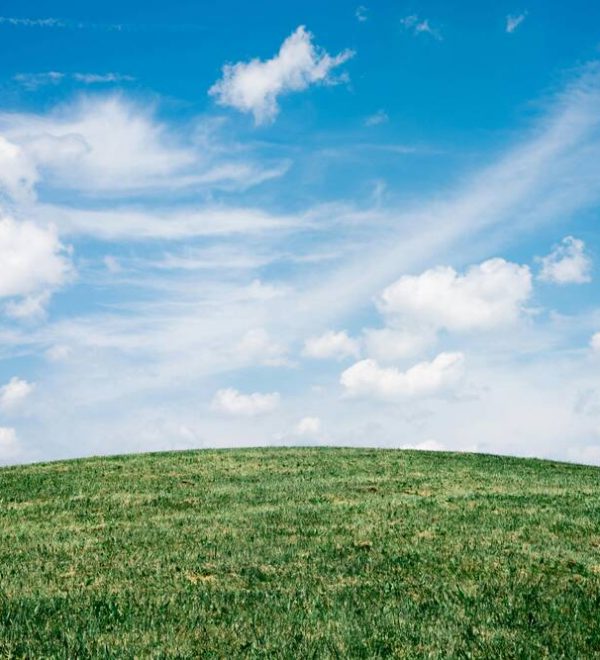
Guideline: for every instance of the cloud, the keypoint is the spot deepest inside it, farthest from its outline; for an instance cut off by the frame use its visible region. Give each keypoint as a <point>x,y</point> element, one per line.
<point>256,85</point>
<point>367,379</point>
<point>10,447</point>
<point>567,263</point>
<point>595,342</point>
<point>420,26</point>
<point>232,402</point>
<point>29,307</point>
<point>488,295</point>
<point>361,14</point>
<point>33,81</point>
<point>331,345</point>
<point>33,259</point>
<point>32,22</point>
<point>308,426</point>
<point>380,117</point>
<point>110,145</point>
<point>258,347</point>
<point>514,20</point>
<point>14,394</point>
<point>18,172</point>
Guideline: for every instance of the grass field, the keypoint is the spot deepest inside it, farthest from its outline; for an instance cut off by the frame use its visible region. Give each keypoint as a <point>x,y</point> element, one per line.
<point>300,553</point>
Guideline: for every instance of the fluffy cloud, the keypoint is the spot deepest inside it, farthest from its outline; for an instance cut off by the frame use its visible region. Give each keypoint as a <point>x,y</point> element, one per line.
<point>258,347</point>
<point>513,21</point>
<point>595,342</point>
<point>567,263</point>
<point>14,394</point>
<point>488,295</point>
<point>32,259</point>
<point>367,378</point>
<point>255,86</point>
<point>331,345</point>
<point>232,402</point>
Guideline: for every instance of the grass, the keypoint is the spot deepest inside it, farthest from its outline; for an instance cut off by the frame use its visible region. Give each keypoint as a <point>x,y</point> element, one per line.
<point>300,553</point>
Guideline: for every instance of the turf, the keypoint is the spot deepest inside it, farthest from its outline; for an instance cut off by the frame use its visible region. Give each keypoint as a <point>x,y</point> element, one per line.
<point>300,553</point>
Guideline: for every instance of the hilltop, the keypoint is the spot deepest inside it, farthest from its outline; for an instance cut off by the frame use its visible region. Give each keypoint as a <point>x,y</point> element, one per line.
<point>295,553</point>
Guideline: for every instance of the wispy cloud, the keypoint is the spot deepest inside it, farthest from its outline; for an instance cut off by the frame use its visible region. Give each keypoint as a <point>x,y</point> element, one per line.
<point>514,20</point>
<point>418,26</point>
<point>379,117</point>
<point>33,81</point>
<point>361,14</point>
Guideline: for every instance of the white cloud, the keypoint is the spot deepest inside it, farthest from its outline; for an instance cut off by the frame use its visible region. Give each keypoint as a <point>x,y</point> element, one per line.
<point>29,307</point>
<point>595,342</point>
<point>18,173</point>
<point>258,347</point>
<point>567,263</point>
<point>367,378</point>
<point>256,85</point>
<point>420,26</point>
<point>380,117</point>
<point>32,22</point>
<point>14,394</point>
<point>32,259</point>
<point>361,14</point>
<point>426,445</point>
<point>96,78</point>
<point>32,81</point>
<point>514,20</point>
<point>331,344</point>
<point>308,426</point>
<point>10,447</point>
<point>233,402</point>
<point>488,295</point>
<point>391,345</point>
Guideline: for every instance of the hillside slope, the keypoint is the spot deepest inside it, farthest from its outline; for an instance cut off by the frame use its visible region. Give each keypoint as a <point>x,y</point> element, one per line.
<point>300,553</point>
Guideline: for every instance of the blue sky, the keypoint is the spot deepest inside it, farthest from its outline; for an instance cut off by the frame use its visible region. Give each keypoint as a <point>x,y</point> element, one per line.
<point>230,224</point>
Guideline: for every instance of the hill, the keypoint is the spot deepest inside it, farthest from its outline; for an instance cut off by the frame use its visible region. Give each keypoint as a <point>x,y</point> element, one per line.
<point>297,553</point>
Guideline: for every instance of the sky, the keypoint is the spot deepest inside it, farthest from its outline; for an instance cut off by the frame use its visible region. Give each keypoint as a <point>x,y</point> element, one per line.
<point>238,224</point>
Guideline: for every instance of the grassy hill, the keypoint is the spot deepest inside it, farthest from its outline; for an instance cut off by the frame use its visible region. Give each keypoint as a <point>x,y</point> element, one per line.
<point>300,553</point>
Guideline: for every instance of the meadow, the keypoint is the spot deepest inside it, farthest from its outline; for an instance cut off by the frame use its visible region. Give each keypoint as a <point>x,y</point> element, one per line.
<point>300,553</point>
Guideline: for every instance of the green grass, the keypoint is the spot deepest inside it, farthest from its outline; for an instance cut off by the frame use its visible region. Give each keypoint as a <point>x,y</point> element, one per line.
<point>300,553</point>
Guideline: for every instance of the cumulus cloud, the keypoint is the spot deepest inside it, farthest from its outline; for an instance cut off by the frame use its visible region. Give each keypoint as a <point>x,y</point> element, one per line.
<point>258,347</point>
<point>331,344</point>
<point>32,258</point>
<point>368,379</point>
<point>232,402</point>
<point>256,85</point>
<point>488,295</point>
<point>568,263</point>
<point>514,20</point>
<point>14,394</point>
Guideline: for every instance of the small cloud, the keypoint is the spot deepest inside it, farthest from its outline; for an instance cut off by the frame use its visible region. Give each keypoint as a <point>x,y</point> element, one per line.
<point>95,78</point>
<point>418,26</point>
<point>308,426</point>
<point>31,81</point>
<point>367,379</point>
<point>33,22</point>
<point>14,394</point>
<point>380,117</point>
<point>256,85</point>
<point>232,402</point>
<point>112,264</point>
<point>567,263</point>
<point>595,342</point>
<point>10,447</point>
<point>29,307</point>
<point>361,14</point>
<point>513,21</point>
<point>331,345</point>
<point>58,353</point>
